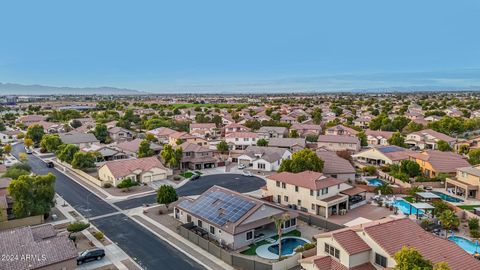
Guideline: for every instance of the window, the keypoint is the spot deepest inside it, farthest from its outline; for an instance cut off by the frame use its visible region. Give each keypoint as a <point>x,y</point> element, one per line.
<point>279,198</point>
<point>249,235</point>
<point>313,206</point>
<point>299,202</point>
<point>287,224</point>
<point>284,185</point>
<point>189,219</point>
<point>338,186</point>
<point>296,188</point>
<point>380,260</point>
<point>332,251</point>
<point>324,191</point>
<point>212,230</point>
<point>278,184</point>
<point>311,192</point>
<point>261,166</point>
<point>199,223</point>
<point>293,222</point>
<point>285,198</point>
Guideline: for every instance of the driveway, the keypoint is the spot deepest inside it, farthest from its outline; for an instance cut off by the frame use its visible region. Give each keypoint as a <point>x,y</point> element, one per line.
<point>236,182</point>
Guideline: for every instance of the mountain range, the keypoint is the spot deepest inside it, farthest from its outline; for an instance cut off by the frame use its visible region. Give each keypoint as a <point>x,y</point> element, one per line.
<point>21,89</point>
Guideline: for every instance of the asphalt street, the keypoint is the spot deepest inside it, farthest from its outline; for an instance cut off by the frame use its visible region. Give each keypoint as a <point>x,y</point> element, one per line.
<point>236,182</point>
<point>146,248</point>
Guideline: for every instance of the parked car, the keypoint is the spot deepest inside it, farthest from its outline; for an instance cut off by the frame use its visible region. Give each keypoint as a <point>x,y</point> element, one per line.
<point>28,150</point>
<point>50,164</point>
<point>195,177</point>
<point>241,166</point>
<point>90,255</point>
<point>247,173</point>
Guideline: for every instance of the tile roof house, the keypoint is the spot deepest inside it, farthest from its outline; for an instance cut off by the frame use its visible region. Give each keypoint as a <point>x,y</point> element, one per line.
<point>241,140</point>
<point>378,137</point>
<point>293,144</point>
<point>119,134</point>
<point>232,219</point>
<point>196,157</point>
<point>203,130</point>
<point>80,139</point>
<point>381,155</point>
<point>465,183</point>
<point>304,130</point>
<point>27,120</point>
<point>341,130</point>
<point>427,139</point>
<point>433,162</point>
<point>46,248</point>
<point>338,143</point>
<point>131,147</point>
<point>264,158</point>
<point>272,132</point>
<point>335,166</point>
<point>142,170</point>
<point>181,136</point>
<point>308,191</point>
<point>234,127</point>
<point>373,245</point>
<point>162,133</point>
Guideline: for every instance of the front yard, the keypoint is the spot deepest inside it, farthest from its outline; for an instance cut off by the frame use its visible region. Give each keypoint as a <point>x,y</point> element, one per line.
<point>251,251</point>
<point>189,174</point>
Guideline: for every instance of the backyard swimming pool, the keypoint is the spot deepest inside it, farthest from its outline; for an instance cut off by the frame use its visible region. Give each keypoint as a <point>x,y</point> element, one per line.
<point>289,244</point>
<point>404,206</point>
<point>375,182</point>
<point>447,197</point>
<point>466,244</point>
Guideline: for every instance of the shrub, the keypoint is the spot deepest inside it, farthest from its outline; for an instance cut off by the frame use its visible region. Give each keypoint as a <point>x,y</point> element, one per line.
<point>177,178</point>
<point>474,234</point>
<point>473,223</point>
<point>107,185</point>
<point>308,246</point>
<point>425,223</point>
<point>98,235</point>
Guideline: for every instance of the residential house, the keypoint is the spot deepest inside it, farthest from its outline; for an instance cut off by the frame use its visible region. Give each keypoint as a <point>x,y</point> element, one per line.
<point>288,119</point>
<point>141,170</point>
<point>28,120</point>
<point>339,143</point>
<point>203,130</point>
<point>335,166</point>
<point>304,130</point>
<point>373,245</point>
<point>308,191</point>
<point>9,136</point>
<point>382,155</point>
<point>362,122</point>
<point>196,157</point>
<point>241,140</point>
<point>162,134</point>
<point>272,132</point>
<point>264,158</point>
<point>234,127</point>
<point>232,219</point>
<point>378,137</point>
<point>182,137</point>
<point>82,140</point>
<point>105,152</point>
<point>37,248</point>
<point>341,130</point>
<point>131,147</point>
<point>427,139</point>
<point>293,144</point>
<point>434,162</point>
<point>119,134</point>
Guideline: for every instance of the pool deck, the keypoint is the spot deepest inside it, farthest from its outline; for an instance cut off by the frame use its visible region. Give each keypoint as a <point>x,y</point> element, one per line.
<point>368,211</point>
<point>263,252</point>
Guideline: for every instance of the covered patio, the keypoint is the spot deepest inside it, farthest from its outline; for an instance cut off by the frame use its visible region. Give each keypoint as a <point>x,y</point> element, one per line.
<point>422,206</point>
<point>461,188</point>
<point>426,197</point>
<point>356,197</point>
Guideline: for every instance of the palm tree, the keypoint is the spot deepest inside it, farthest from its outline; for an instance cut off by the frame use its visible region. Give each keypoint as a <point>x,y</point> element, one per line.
<point>449,220</point>
<point>279,220</point>
<point>384,188</point>
<point>413,190</point>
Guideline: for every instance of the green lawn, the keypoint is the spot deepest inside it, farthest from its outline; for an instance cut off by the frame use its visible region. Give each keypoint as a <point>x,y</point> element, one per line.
<point>253,247</point>
<point>468,207</point>
<point>187,174</point>
<point>408,199</point>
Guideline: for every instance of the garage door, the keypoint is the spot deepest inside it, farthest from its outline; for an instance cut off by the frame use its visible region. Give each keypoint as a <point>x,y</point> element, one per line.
<point>244,161</point>
<point>159,176</point>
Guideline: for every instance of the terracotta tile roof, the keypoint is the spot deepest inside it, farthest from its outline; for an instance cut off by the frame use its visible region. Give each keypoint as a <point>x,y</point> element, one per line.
<point>121,168</point>
<point>446,162</point>
<point>193,147</point>
<point>379,133</point>
<point>333,164</point>
<point>203,125</point>
<point>351,242</point>
<point>435,134</point>
<point>329,263</point>
<point>242,135</point>
<point>162,131</point>
<point>338,139</point>
<point>287,142</point>
<point>342,127</point>
<point>306,127</point>
<point>353,191</point>
<point>307,179</point>
<point>393,235</point>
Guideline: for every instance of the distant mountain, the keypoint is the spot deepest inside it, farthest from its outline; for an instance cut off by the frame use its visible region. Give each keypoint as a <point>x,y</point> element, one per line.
<point>20,89</point>
<point>410,89</point>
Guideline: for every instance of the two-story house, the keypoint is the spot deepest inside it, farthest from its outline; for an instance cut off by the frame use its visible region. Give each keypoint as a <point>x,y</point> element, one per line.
<point>235,127</point>
<point>341,130</point>
<point>196,157</point>
<point>264,158</point>
<point>465,183</point>
<point>119,134</point>
<point>428,139</point>
<point>241,140</point>
<point>272,132</point>
<point>303,130</point>
<point>181,137</point>
<point>434,162</point>
<point>203,130</point>
<point>339,143</point>
<point>378,137</point>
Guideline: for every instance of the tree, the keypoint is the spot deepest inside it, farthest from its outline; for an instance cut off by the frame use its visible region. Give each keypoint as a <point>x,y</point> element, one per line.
<point>101,133</point>
<point>262,142</point>
<point>2,126</point>
<point>127,184</point>
<point>317,116</point>
<point>28,142</point>
<point>179,141</point>
<point>222,147</point>
<point>82,160</point>
<point>410,167</point>
<point>76,227</point>
<point>32,194</point>
<point>448,220</point>
<point>440,207</point>
<point>303,160</point>
<point>474,156</point>
<point>15,173</point>
<point>75,123</point>
<point>23,157</point>
<point>370,170</point>
<point>7,149</point>
<point>410,259</point>
<point>293,133</point>
<point>414,190</point>
<point>144,149</point>
<point>444,146</point>
<point>362,137</point>
<point>397,139</point>
<point>279,221</point>
<point>171,156</point>
<point>50,142</point>
<point>35,133</point>
<point>166,194</point>
<point>66,152</point>
<point>312,138</point>
<point>464,148</point>
<point>441,266</point>
<point>150,137</point>
<point>384,189</point>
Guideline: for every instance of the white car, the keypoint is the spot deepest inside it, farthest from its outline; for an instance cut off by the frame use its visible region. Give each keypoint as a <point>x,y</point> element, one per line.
<point>241,166</point>
<point>247,173</point>
<point>28,150</point>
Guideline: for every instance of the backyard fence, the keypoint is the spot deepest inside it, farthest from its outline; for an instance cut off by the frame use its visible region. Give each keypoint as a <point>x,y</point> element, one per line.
<point>319,222</point>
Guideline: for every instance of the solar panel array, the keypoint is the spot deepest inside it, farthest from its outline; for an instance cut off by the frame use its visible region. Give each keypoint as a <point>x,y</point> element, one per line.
<point>218,207</point>
<point>390,149</point>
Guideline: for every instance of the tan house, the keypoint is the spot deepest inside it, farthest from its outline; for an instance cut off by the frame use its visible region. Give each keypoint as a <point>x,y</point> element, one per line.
<point>308,191</point>
<point>372,246</point>
<point>341,130</point>
<point>304,130</point>
<point>338,143</point>
<point>186,137</point>
<point>142,170</point>
<point>381,155</point>
<point>28,120</point>
<point>203,130</point>
<point>428,139</point>
<point>465,183</point>
<point>434,162</point>
<point>378,137</point>
<point>196,157</point>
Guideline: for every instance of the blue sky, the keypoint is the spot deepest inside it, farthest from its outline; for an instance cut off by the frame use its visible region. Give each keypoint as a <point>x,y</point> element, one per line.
<point>236,45</point>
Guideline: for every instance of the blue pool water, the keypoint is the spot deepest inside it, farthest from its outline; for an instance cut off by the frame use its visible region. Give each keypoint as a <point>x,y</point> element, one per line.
<point>466,244</point>
<point>404,206</point>
<point>288,246</point>
<point>447,197</point>
<point>375,182</point>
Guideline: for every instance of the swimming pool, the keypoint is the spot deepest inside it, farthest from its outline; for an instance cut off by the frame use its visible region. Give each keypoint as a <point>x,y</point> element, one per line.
<point>464,243</point>
<point>447,197</point>
<point>375,182</point>
<point>289,244</point>
<point>404,206</point>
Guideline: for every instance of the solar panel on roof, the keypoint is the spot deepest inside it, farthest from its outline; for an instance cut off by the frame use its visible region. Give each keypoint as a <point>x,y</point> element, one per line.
<point>218,207</point>
<point>390,149</point>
